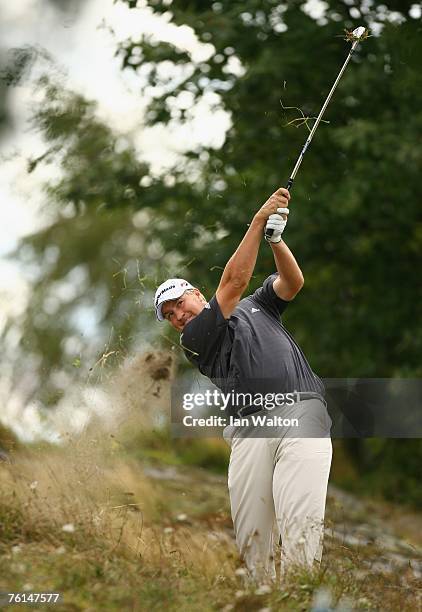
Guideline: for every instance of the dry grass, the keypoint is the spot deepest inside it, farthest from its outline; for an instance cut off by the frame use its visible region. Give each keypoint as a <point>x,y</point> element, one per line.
<point>85,522</point>
<point>111,529</point>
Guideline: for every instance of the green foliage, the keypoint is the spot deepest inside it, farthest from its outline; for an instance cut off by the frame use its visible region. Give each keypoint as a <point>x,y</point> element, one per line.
<point>158,446</point>
<point>355,224</point>
<point>92,268</point>
<point>390,469</point>
<point>100,171</point>
<point>8,440</point>
<point>14,65</point>
<point>355,247</point>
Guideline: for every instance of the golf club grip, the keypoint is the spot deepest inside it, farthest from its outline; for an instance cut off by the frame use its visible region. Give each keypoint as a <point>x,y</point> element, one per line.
<point>269,232</point>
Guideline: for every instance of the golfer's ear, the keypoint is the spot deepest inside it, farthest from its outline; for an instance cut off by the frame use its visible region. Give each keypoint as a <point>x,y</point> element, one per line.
<point>199,294</point>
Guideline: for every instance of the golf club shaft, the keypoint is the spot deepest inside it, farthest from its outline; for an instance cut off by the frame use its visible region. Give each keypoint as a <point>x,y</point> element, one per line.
<point>318,119</point>
<point>289,183</point>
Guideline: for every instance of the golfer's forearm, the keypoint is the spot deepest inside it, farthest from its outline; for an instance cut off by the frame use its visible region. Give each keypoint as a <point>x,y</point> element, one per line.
<point>287,267</point>
<point>241,264</point>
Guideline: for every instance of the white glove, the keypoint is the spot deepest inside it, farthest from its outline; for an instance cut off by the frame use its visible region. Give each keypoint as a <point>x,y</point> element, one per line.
<point>276,223</point>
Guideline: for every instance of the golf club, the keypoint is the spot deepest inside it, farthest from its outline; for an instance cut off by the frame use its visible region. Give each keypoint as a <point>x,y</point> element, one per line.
<point>355,36</point>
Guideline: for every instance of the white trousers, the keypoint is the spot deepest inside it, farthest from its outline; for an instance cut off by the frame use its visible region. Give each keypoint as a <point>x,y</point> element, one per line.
<point>278,483</point>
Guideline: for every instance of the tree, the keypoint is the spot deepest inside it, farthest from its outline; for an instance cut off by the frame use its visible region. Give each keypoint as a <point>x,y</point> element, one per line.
<point>14,66</point>
<point>357,237</point>
<point>355,249</point>
<point>354,226</point>
<point>90,267</point>
<point>15,62</point>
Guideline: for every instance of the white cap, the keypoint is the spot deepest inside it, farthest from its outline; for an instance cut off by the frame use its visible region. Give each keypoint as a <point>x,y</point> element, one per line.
<point>170,290</point>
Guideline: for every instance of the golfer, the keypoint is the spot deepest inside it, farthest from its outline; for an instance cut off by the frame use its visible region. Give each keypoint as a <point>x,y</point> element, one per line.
<point>278,481</point>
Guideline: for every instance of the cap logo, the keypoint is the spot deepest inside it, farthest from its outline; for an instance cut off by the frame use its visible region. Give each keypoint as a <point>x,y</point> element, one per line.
<point>163,291</point>
<point>173,286</point>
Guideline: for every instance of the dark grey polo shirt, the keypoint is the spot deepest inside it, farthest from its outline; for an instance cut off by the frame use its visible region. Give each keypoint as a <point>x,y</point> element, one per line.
<point>251,351</point>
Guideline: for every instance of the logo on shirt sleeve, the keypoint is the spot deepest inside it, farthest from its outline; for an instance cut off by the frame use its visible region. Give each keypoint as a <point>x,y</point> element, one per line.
<point>255,310</point>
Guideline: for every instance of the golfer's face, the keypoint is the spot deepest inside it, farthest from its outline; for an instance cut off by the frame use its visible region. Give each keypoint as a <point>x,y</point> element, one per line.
<point>182,310</point>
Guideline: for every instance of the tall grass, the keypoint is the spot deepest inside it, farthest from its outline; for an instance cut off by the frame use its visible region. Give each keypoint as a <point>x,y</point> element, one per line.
<point>85,519</point>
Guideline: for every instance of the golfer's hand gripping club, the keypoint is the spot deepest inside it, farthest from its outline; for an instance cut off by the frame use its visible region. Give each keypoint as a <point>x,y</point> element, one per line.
<point>276,223</point>
<point>276,205</point>
<point>269,230</point>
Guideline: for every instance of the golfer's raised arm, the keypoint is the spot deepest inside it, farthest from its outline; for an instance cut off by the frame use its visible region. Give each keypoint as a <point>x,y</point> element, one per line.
<point>290,280</point>
<point>239,268</point>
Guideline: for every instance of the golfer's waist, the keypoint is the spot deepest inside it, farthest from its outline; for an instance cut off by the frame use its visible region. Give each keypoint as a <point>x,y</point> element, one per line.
<point>298,396</point>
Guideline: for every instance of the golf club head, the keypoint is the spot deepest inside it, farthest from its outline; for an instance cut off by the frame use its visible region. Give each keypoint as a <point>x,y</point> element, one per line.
<point>358,32</point>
